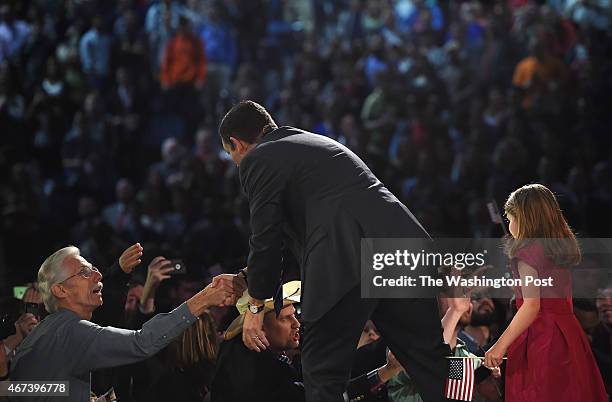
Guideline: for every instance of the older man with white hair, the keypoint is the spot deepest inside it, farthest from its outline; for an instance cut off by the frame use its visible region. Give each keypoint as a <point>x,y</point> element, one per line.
<point>66,346</point>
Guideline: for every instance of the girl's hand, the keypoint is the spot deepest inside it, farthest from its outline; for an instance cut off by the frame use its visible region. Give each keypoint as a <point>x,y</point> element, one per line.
<point>494,356</point>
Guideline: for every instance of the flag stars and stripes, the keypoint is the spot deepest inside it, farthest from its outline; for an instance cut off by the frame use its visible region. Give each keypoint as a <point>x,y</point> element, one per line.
<point>460,382</point>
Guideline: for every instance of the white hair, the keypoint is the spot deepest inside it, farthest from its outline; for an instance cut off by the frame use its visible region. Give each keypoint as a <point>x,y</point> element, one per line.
<point>50,273</point>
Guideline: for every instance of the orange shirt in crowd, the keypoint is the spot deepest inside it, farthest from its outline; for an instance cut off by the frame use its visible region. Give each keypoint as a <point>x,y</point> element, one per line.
<point>184,61</point>
<point>530,74</point>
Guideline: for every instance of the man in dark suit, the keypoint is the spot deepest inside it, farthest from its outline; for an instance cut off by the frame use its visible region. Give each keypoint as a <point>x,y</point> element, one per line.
<point>315,197</point>
<point>270,375</point>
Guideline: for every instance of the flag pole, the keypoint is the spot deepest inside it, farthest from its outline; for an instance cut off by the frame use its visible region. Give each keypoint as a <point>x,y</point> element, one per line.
<point>496,216</point>
<point>469,357</point>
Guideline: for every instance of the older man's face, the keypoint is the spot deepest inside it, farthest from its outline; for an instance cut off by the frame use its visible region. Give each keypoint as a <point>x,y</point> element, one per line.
<point>283,332</point>
<point>82,292</point>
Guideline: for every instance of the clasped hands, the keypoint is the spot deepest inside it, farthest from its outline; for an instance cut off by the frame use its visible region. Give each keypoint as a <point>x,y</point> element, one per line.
<point>225,289</point>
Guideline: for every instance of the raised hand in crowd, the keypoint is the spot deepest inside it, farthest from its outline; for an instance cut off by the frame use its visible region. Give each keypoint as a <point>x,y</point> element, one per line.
<point>158,271</point>
<point>23,326</point>
<point>460,304</point>
<point>130,258</point>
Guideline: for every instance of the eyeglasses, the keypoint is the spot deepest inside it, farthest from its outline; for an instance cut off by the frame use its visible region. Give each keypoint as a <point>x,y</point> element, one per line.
<point>85,272</point>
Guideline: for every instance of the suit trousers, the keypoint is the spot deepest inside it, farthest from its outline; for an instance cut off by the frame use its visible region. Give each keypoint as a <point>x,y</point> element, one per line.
<point>411,328</point>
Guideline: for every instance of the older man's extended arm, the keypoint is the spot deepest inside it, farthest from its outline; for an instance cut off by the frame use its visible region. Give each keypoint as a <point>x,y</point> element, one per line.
<point>97,347</point>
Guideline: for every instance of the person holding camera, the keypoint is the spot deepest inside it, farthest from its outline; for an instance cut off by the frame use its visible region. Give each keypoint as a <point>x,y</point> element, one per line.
<point>159,270</point>
<point>26,313</point>
<point>8,346</point>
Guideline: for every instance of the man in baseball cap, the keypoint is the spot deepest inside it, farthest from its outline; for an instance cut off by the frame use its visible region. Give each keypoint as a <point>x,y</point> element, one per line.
<point>243,374</point>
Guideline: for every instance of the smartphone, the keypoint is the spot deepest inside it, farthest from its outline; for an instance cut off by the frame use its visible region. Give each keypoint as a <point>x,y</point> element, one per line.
<point>37,310</point>
<point>179,267</point>
<point>19,291</point>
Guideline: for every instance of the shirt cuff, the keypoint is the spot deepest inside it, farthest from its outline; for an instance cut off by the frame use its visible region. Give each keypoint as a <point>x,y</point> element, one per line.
<point>375,382</point>
<point>185,314</point>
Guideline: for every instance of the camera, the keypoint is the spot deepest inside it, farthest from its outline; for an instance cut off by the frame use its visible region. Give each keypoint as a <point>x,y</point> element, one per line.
<point>178,266</point>
<point>38,310</point>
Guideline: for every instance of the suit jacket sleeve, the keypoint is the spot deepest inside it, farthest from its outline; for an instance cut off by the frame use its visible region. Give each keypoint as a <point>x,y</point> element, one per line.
<point>264,184</point>
<point>365,387</point>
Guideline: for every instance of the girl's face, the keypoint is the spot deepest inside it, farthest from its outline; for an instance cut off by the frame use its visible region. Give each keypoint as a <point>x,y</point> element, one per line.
<point>513,225</point>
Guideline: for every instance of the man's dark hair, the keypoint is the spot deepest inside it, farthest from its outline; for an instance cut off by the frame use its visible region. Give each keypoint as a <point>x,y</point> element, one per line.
<point>245,121</point>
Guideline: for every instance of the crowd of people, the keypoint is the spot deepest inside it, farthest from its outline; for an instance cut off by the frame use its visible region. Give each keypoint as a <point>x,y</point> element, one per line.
<point>109,113</point>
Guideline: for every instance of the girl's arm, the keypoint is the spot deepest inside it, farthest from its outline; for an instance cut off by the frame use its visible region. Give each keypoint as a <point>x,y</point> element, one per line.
<point>525,315</point>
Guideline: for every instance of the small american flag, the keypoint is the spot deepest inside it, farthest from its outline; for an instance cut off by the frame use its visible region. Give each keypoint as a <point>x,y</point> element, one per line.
<point>460,381</point>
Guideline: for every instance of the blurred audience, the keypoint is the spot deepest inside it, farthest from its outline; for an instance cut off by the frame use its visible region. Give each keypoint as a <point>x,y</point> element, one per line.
<point>109,109</point>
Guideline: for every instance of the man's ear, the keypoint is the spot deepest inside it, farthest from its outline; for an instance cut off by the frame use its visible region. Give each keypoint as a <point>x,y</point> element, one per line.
<point>238,145</point>
<point>58,291</point>
<point>232,143</point>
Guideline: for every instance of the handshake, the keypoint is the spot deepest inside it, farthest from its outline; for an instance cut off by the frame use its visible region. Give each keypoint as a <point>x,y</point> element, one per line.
<point>224,290</point>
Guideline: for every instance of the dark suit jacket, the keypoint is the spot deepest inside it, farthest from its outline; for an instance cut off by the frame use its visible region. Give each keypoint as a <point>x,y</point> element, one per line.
<point>244,375</point>
<point>314,195</point>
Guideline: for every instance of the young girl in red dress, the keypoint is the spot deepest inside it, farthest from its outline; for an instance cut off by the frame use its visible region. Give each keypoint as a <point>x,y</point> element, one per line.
<point>549,357</point>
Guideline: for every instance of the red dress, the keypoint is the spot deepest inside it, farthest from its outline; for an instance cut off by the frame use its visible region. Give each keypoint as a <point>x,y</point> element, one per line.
<point>552,359</point>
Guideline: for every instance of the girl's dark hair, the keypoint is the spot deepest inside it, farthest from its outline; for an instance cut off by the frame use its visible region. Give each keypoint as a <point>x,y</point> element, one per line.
<point>539,218</point>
